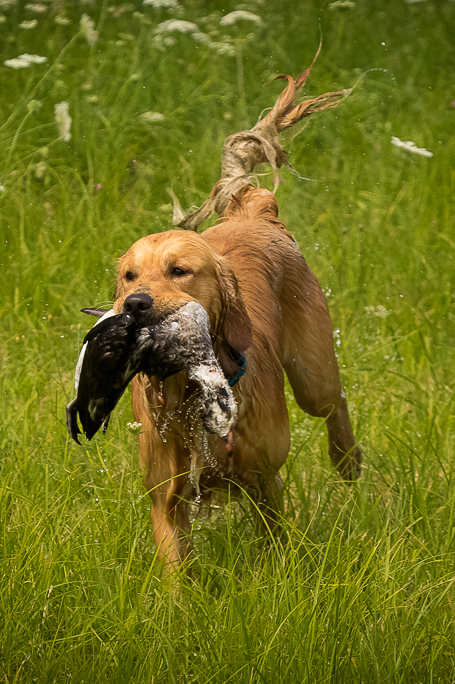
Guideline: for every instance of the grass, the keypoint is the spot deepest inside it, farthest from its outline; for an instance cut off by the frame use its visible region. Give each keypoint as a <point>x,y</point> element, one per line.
<point>361,587</point>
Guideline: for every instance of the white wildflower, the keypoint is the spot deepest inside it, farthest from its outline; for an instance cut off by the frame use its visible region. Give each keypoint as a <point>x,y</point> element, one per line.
<point>240,15</point>
<point>16,63</point>
<point>162,42</point>
<point>410,147</point>
<point>142,18</point>
<point>58,88</point>
<point>118,11</point>
<point>223,48</point>
<point>34,106</point>
<point>380,311</point>
<point>40,169</point>
<point>28,24</point>
<point>176,25</point>
<point>337,337</point>
<point>127,36</point>
<point>341,5</point>
<point>158,4</point>
<point>87,27</point>
<point>61,20</point>
<point>210,18</point>
<point>151,117</point>
<point>134,428</point>
<point>36,7</point>
<point>63,120</point>
<point>2,187</point>
<point>200,37</point>
<point>24,61</point>
<point>34,59</point>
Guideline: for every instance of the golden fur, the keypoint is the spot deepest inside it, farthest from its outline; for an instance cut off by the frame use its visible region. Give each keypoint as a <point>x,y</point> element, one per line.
<point>262,299</point>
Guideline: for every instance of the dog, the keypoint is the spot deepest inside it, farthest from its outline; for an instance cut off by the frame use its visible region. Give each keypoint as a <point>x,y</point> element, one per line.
<point>264,305</point>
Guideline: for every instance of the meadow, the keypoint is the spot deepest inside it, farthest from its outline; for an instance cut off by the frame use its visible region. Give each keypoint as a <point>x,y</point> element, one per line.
<point>361,587</point>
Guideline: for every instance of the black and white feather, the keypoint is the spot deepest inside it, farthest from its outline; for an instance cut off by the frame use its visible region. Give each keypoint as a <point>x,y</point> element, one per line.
<point>116,348</point>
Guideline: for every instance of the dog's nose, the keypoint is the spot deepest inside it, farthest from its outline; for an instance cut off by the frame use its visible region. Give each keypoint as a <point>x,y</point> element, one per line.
<point>137,303</point>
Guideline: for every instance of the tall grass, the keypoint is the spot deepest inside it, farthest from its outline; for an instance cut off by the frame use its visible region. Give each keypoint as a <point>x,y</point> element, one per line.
<point>360,588</point>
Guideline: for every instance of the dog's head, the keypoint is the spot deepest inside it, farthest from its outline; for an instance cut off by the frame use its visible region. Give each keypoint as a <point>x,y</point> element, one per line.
<point>162,272</point>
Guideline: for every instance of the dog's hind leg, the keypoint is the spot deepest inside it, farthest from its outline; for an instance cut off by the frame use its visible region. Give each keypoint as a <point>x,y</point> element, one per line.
<point>265,494</point>
<point>311,366</point>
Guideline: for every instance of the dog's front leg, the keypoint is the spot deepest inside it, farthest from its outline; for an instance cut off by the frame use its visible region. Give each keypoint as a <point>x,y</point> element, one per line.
<point>165,469</point>
<point>171,527</point>
<point>270,505</point>
<point>164,460</point>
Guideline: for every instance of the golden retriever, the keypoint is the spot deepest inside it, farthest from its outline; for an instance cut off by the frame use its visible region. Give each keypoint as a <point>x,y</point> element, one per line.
<point>263,301</point>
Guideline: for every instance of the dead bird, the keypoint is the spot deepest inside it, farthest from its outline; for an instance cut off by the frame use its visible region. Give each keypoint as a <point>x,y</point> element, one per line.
<point>117,348</point>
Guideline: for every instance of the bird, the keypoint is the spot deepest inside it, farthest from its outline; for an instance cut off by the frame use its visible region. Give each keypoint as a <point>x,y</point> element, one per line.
<point>118,347</point>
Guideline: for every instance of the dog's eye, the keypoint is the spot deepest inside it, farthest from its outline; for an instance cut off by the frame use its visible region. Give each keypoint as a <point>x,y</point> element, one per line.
<point>177,272</point>
<point>129,275</point>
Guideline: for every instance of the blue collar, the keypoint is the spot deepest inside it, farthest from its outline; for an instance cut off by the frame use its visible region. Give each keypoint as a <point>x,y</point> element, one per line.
<point>240,372</point>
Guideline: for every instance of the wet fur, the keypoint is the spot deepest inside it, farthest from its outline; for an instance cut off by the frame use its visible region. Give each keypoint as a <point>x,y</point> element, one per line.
<point>262,299</point>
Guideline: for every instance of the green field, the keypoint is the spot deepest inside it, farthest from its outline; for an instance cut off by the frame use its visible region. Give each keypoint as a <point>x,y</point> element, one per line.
<point>362,586</point>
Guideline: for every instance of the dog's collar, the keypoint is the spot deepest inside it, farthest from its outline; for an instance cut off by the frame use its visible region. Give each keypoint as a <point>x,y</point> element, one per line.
<point>240,372</point>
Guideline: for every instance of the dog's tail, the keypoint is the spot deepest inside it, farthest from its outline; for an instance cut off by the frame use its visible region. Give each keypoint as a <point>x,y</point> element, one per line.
<point>251,203</point>
<point>243,151</point>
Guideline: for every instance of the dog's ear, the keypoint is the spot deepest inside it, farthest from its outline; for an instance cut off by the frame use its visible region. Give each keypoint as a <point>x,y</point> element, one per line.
<point>235,324</point>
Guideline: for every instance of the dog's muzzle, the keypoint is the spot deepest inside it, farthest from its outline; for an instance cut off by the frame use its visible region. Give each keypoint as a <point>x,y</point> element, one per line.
<point>138,304</point>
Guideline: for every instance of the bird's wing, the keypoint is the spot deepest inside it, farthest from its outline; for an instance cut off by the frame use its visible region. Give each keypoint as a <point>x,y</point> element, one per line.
<point>77,373</point>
